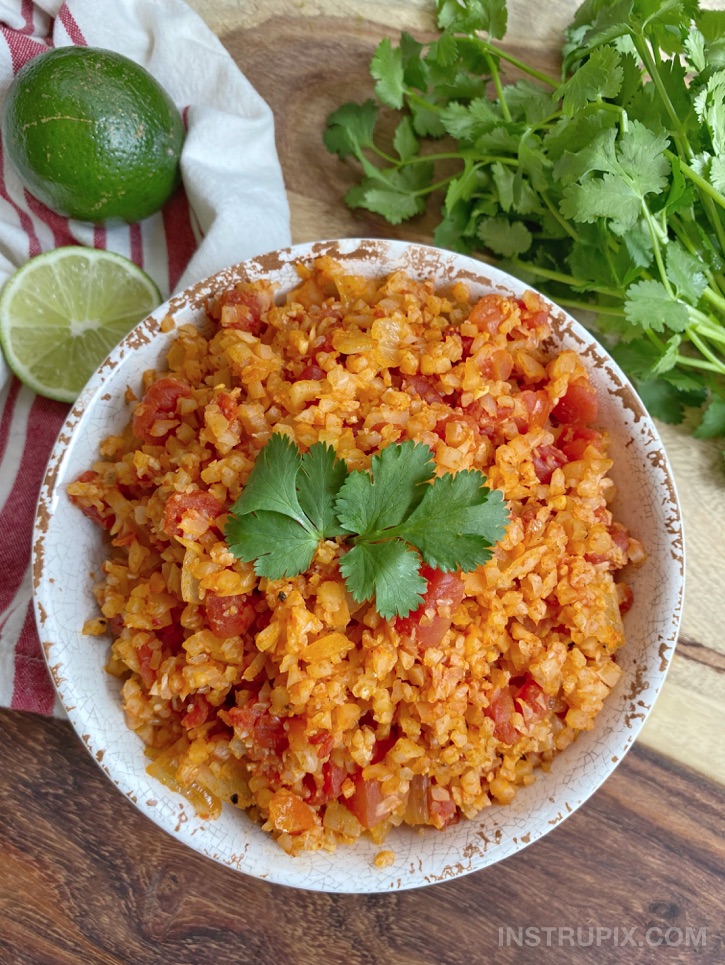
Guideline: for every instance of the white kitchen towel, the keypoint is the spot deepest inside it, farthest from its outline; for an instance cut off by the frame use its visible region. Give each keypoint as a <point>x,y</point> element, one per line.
<point>232,205</point>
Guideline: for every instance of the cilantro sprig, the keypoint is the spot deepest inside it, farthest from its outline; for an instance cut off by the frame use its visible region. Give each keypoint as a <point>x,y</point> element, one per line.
<point>393,518</point>
<point>605,187</point>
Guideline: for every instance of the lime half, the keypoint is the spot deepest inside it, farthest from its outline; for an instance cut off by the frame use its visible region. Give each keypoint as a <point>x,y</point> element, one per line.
<point>63,312</point>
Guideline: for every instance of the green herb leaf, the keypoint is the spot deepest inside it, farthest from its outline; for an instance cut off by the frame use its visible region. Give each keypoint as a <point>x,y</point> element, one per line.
<point>456,523</point>
<point>713,420</point>
<point>600,76</point>
<point>507,238</point>
<point>278,546</point>
<point>321,476</point>
<point>351,128</point>
<point>489,16</point>
<point>389,492</point>
<point>272,482</point>
<point>389,572</point>
<point>387,69</point>
<point>649,306</point>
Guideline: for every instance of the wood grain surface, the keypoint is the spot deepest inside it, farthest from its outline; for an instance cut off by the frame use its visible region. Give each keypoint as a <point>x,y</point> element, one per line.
<point>85,878</point>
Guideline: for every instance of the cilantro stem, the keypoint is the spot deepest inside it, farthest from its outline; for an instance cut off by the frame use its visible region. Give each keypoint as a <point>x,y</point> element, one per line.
<point>643,49</point>
<point>595,307</point>
<point>556,214</point>
<point>714,297</point>
<point>515,62</point>
<point>422,102</point>
<point>702,183</point>
<point>655,234</point>
<point>699,364</point>
<point>705,350</point>
<point>565,279</point>
<point>496,77</point>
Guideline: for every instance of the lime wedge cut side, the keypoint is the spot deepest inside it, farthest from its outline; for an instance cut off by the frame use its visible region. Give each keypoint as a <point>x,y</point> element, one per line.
<point>63,312</point>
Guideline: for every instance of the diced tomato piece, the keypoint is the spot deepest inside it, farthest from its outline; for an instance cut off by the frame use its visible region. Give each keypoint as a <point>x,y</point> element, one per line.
<point>228,405</point>
<point>266,730</point>
<point>442,813</point>
<point>620,537</point>
<point>466,345</point>
<point>487,313</point>
<point>324,742</point>
<point>160,403</point>
<point>172,636</point>
<point>546,459</point>
<point>94,514</point>
<point>229,616</point>
<point>250,303</point>
<point>382,746</point>
<point>626,597</point>
<point>537,407</point>
<point>578,406</point>
<point>498,366</point>
<point>367,803</point>
<point>312,372</point>
<point>500,708</point>
<point>148,674</point>
<point>104,519</point>
<point>575,440</point>
<point>197,712</point>
<point>424,387</point>
<point>444,589</point>
<point>532,702</point>
<point>333,777</point>
<point>197,501</point>
<point>269,733</point>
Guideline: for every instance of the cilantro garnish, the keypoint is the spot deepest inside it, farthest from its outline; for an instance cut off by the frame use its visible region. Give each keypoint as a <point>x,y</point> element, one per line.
<point>394,518</point>
<point>605,187</point>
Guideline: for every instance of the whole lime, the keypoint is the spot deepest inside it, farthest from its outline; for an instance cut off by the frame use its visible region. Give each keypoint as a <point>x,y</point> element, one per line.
<point>92,134</point>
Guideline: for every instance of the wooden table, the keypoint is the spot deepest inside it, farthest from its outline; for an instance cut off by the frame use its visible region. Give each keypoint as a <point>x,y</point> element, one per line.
<point>85,878</point>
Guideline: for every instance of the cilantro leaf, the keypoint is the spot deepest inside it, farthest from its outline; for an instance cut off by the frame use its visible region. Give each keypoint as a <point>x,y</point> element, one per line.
<point>271,485</point>
<point>277,545</point>
<point>392,204</point>
<point>685,272</point>
<point>472,15</point>
<point>605,197</point>
<point>405,141</point>
<point>385,495</point>
<point>321,476</point>
<point>649,306</point>
<point>663,400</point>
<point>387,69</point>
<point>507,238</point>
<point>600,75</point>
<point>389,572</point>
<point>456,523</point>
<point>350,128</point>
<point>713,419</point>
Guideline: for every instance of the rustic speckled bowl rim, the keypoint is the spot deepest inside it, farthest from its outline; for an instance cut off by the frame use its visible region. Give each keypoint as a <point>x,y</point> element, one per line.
<point>66,545</point>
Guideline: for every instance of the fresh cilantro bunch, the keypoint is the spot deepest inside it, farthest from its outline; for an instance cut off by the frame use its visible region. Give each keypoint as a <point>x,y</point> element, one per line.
<point>605,187</point>
<point>393,518</point>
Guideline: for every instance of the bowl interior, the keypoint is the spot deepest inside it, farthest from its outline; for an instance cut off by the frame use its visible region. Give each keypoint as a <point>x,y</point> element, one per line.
<point>68,550</point>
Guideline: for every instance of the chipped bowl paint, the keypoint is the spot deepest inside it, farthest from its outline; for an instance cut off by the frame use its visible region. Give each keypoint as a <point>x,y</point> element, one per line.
<point>68,548</point>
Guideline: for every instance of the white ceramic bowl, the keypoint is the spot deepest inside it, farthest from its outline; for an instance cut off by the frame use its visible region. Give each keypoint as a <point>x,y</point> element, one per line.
<point>67,547</point>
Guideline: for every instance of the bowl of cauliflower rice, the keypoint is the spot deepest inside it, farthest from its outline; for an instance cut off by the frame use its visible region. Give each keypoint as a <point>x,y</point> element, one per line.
<point>358,566</point>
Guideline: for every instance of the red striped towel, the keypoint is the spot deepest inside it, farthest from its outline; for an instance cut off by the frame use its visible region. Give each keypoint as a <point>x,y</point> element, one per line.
<point>232,206</point>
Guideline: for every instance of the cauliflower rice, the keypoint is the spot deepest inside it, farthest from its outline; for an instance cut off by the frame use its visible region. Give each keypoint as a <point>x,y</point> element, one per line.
<point>286,698</point>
